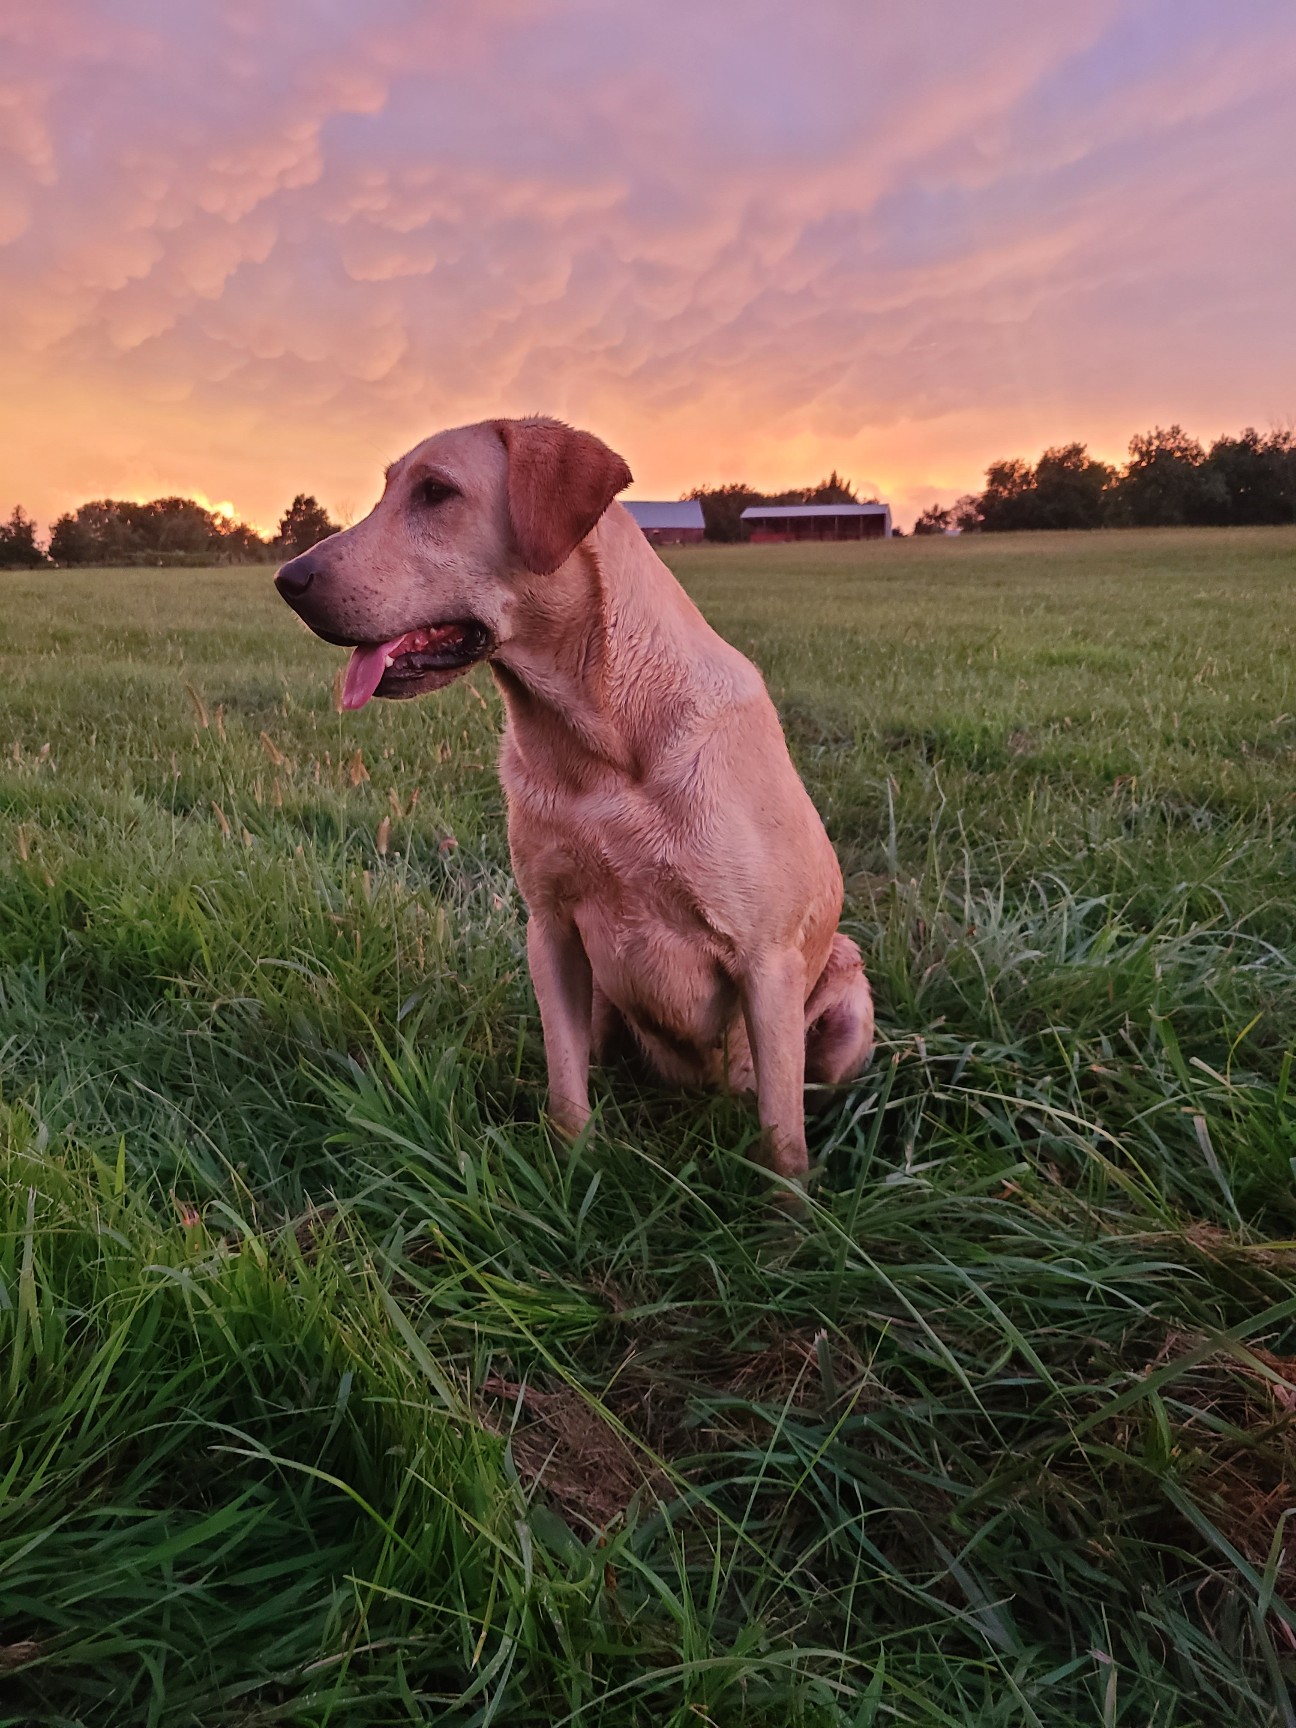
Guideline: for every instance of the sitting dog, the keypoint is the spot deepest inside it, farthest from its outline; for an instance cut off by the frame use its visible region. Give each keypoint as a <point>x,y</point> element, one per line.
<point>679,883</point>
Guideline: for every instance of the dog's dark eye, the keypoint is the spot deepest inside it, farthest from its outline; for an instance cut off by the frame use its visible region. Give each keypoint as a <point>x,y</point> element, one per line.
<point>432,492</point>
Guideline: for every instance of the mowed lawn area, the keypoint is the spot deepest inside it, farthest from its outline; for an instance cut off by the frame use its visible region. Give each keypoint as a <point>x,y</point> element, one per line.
<point>333,1390</point>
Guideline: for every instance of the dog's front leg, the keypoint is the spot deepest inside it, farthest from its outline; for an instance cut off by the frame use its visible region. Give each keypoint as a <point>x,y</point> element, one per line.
<point>773,998</point>
<point>560,973</point>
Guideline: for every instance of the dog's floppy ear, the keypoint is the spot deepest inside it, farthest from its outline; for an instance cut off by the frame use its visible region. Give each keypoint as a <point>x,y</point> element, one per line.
<point>559,483</point>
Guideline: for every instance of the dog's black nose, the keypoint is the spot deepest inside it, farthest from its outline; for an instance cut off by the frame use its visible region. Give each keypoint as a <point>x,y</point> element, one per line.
<point>295,577</point>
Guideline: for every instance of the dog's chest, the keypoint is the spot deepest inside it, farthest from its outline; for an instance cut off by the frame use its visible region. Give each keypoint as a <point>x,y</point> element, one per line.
<point>616,847</point>
<point>618,863</point>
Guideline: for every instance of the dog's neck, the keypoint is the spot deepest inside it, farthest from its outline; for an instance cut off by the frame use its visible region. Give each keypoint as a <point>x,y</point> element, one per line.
<point>604,651</point>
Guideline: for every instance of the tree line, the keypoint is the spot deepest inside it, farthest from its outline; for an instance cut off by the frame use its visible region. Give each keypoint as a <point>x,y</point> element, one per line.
<point>163,531</point>
<point>181,531</point>
<point>1169,481</point>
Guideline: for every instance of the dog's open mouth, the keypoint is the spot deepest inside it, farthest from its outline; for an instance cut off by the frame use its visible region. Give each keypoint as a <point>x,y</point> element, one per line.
<point>417,661</point>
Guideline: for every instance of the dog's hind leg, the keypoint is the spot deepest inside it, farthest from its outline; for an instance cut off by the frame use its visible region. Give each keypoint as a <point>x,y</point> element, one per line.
<point>611,1039</point>
<point>839,1018</point>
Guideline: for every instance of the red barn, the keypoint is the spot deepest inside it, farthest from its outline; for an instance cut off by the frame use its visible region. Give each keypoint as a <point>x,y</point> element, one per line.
<point>778,523</point>
<point>668,524</point>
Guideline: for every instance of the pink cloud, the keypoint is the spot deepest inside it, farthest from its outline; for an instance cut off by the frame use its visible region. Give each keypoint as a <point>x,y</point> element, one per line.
<point>247,249</point>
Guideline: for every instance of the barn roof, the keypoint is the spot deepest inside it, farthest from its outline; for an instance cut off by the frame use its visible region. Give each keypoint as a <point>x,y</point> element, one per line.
<point>781,512</point>
<point>682,513</point>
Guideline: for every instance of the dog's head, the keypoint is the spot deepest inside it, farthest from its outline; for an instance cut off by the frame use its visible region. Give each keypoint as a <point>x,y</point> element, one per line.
<point>426,585</point>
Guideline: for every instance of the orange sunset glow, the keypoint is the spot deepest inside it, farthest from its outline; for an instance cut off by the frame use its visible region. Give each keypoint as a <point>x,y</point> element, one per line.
<point>249,250</point>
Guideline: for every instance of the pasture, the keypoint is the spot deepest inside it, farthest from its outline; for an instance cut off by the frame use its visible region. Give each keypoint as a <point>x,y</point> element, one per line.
<point>334,1391</point>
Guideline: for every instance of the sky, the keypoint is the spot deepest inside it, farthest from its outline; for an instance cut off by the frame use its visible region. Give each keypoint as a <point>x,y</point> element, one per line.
<point>255,247</point>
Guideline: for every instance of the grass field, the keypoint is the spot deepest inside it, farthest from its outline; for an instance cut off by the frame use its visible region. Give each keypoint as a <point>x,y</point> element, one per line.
<point>334,1391</point>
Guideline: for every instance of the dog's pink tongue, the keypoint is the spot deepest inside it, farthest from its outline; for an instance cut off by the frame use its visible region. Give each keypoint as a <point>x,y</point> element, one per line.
<point>364,671</point>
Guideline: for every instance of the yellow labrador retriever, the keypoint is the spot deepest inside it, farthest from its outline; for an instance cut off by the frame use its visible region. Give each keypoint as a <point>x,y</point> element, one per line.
<point>679,883</point>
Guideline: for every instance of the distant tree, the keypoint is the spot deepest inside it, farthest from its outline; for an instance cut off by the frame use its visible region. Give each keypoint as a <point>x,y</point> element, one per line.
<point>722,508</point>
<point>163,531</point>
<point>303,524</point>
<point>1070,488</point>
<point>933,520</point>
<point>174,525</point>
<point>1168,483</point>
<point>1258,476</point>
<point>94,533</point>
<point>1007,503</point>
<point>18,548</point>
<point>65,541</point>
<point>833,490</point>
<point>239,543</point>
<point>72,540</point>
<point>1067,488</point>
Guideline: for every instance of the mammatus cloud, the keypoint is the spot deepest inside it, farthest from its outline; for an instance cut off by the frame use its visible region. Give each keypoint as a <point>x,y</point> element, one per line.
<point>249,249</point>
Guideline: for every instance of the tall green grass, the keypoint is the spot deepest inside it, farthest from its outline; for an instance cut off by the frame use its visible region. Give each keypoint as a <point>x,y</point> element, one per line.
<point>333,1390</point>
